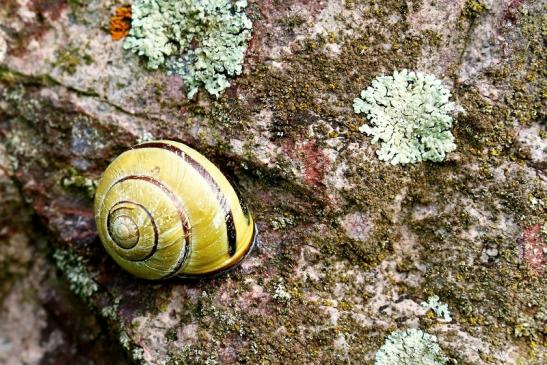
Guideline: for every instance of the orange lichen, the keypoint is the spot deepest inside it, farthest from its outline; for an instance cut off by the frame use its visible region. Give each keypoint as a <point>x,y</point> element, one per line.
<point>120,23</point>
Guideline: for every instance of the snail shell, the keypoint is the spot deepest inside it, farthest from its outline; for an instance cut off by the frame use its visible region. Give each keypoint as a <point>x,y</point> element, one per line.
<point>162,209</point>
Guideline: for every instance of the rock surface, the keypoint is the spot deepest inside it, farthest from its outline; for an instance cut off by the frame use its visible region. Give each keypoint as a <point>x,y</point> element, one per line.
<point>349,246</point>
<point>41,320</point>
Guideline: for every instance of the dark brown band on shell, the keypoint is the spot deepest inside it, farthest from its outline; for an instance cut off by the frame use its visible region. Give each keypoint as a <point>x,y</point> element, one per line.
<point>180,210</point>
<point>228,215</point>
<point>242,202</point>
<point>231,231</point>
<point>214,273</point>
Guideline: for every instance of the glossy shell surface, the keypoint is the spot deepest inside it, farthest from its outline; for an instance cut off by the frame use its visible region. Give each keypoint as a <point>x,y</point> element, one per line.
<point>162,209</point>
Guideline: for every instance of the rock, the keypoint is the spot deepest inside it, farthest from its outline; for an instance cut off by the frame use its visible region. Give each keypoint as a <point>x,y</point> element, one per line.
<point>349,245</point>
<point>41,320</point>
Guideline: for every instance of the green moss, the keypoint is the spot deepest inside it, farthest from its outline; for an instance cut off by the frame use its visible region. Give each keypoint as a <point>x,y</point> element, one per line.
<point>75,4</point>
<point>282,222</point>
<point>523,73</point>
<point>69,59</point>
<point>473,9</point>
<point>292,22</point>
<point>486,292</point>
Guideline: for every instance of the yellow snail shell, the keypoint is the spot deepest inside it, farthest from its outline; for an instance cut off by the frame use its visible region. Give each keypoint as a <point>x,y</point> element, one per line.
<point>162,209</point>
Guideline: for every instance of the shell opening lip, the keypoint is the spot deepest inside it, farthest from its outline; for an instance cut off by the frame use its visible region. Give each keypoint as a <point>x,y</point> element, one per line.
<point>220,272</point>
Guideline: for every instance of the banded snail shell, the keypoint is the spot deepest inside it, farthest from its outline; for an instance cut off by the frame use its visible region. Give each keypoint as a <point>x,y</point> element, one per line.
<point>162,209</point>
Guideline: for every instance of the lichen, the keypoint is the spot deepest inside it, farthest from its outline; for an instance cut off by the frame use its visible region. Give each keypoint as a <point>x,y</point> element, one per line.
<point>280,292</point>
<point>408,347</point>
<point>440,309</point>
<point>120,23</point>
<point>3,47</point>
<point>283,222</point>
<point>532,326</point>
<point>79,279</point>
<point>409,113</point>
<point>135,352</point>
<point>72,179</point>
<point>211,361</point>
<point>111,311</point>
<point>202,41</point>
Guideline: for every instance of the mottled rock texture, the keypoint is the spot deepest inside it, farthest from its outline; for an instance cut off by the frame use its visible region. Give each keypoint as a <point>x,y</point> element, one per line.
<point>41,320</point>
<point>350,245</point>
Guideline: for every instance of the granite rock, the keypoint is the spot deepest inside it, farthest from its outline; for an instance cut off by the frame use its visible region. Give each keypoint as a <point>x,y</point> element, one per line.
<point>350,245</point>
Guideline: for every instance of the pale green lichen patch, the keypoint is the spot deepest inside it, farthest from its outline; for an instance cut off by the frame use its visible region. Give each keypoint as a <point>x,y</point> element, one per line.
<point>409,113</point>
<point>409,347</point>
<point>135,352</point>
<point>3,47</point>
<point>202,41</point>
<point>72,179</point>
<point>280,292</point>
<point>440,309</point>
<point>79,279</point>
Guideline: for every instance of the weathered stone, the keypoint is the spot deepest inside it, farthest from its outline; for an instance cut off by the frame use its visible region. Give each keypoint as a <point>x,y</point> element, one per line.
<point>349,246</point>
<point>41,321</point>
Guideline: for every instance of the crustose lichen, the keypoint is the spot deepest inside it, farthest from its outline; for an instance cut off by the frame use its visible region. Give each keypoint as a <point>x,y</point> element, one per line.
<point>120,23</point>
<point>409,113</point>
<point>440,309</point>
<point>202,41</point>
<point>80,280</point>
<point>410,347</point>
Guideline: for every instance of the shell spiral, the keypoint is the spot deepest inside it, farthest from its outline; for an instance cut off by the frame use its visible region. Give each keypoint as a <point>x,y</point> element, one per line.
<point>162,209</point>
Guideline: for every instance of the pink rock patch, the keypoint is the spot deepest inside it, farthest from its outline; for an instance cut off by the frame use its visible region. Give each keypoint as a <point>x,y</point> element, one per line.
<point>357,226</point>
<point>534,248</point>
<point>511,12</point>
<point>315,162</point>
<point>52,8</point>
